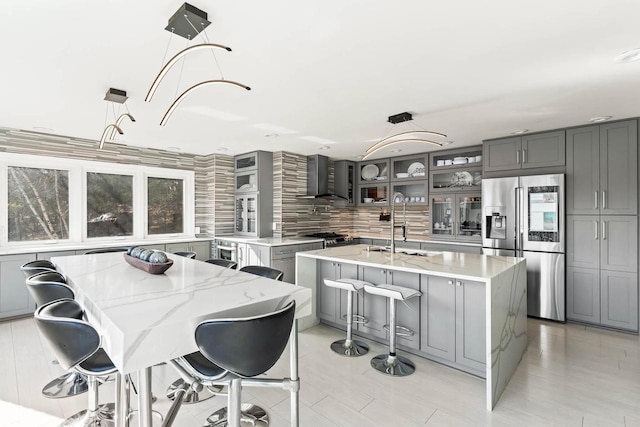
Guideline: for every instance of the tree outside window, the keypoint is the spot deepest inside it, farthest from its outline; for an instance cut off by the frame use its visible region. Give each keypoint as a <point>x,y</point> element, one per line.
<point>165,205</point>
<point>109,205</point>
<point>38,204</point>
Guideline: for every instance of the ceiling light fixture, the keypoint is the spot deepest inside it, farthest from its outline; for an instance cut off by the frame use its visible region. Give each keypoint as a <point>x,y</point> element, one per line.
<point>189,21</point>
<point>599,119</point>
<point>629,56</point>
<point>401,137</point>
<point>519,131</point>
<point>114,96</point>
<point>324,147</point>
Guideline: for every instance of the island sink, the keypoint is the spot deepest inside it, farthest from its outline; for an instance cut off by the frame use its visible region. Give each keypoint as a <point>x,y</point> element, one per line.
<point>416,252</point>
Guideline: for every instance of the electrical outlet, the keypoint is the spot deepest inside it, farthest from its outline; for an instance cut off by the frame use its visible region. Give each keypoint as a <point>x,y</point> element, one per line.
<point>197,230</point>
<point>274,226</point>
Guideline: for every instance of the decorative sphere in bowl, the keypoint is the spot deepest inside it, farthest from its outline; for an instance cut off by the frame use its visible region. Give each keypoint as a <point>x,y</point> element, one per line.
<point>158,257</point>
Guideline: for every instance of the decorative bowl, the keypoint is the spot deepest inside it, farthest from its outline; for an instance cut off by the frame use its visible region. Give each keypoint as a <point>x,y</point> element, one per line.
<point>149,267</point>
<point>402,175</point>
<point>368,200</point>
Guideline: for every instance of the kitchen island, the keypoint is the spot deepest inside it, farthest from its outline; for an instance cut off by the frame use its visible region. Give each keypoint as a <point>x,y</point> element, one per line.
<point>472,314</point>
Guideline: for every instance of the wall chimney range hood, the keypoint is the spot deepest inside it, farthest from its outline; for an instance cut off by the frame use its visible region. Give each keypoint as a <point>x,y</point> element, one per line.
<point>318,178</point>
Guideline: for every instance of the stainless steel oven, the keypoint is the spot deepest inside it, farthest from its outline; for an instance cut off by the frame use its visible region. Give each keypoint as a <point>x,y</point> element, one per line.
<point>227,250</point>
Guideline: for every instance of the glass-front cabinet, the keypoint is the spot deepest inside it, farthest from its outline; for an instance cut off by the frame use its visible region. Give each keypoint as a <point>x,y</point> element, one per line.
<point>409,167</point>
<point>374,195</point>
<point>246,162</point>
<point>246,215</point>
<point>344,182</point>
<point>456,216</point>
<point>414,192</point>
<point>247,182</point>
<point>375,170</point>
<point>456,179</point>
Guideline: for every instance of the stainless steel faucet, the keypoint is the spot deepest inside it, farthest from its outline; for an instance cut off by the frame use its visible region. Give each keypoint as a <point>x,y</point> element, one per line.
<point>396,195</point>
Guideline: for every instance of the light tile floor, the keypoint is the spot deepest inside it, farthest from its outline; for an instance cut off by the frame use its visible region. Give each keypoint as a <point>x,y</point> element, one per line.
<point>571,375</point>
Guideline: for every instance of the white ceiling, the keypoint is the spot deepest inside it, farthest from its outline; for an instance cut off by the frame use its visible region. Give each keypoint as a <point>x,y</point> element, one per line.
<point>326,69</point>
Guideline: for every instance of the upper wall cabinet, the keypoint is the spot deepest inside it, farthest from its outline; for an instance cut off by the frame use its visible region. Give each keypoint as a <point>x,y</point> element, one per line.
<point>344,182</point>
<point>409,167</point>
<point>525,152</point>
<point>602,175</point>
<point>375,170</point>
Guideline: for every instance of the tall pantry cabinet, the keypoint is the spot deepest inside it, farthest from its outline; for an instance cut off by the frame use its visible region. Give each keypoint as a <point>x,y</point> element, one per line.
<point>602,224</point>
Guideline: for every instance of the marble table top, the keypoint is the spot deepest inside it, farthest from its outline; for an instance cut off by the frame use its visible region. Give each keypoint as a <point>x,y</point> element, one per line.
<point>447,264</point>
<point>145,319</point>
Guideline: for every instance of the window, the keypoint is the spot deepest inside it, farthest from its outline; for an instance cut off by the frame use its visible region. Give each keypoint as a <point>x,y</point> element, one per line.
<point>80,200</point>
<point>109,205</point>
<point>38,204</point>
<point>165,205</point>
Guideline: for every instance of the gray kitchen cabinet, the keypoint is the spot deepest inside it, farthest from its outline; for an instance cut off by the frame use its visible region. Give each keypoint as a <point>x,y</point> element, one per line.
<point>288,268</point>
<point>606,242</point>
<point>254,194</point>
<point>602,164</point>
<point>619,299</point>
<point>375,307</point>
<point>583,294</point>
<point>456,216</point>
<point>438,327</point>
<point>619,243</point>
<point>471,317</point>
<point>202,249</point>
<point>602,261</point>
<point>48,255</point>
<point>538,150</point>
<point>15,299</point>
<point>332,303</point>
<point>344,172</point>
<point>159,247</point>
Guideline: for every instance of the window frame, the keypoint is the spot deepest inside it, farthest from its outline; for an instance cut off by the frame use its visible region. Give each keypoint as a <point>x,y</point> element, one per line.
<point>78,170</point>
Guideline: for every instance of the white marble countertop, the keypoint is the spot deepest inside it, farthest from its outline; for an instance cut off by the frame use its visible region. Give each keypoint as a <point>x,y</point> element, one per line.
<point>72,246</point>
<point>425,240</point>
<point>271,241</point>
<point>447,264</point>
<point>149,318</point>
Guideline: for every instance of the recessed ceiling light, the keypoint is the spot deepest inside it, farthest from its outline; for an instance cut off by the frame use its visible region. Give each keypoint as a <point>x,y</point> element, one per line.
<point>397,150</point>
<point>324,147</point>
<point>599,119</point>
<point>629,56</point>
<point>358,156</point>
<point>174,149</point>
<point>222,149</point>
<point>519,131</point>
<point>271,135</point>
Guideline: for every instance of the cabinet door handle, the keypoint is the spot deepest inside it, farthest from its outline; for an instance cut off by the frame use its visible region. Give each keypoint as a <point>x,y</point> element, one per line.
<point>595,200</point>
<point>458,283</point>
<point>604,230</point>
<point>518,156</point>
<point>595,229</point>
<point>451,282</point>
<point>604,199</point>
<point>524,156</point>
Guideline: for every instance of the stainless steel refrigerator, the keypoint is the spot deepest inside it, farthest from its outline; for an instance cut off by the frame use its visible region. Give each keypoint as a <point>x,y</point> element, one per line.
<point>524,217</point>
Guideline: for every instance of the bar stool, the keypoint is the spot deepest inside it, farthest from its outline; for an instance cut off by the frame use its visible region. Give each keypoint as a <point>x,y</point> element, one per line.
<point>37,266</point>
<point>392,364</point>
<point>45,287</point>
<point>349,347</point>
<point>237,350</point>
<point>259,270</point>
<point>223,263</point>
<point>187,254</point>
<point>76,344</point>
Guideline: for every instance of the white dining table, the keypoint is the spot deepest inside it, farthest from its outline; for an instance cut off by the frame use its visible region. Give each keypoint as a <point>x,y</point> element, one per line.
<point>145,319</point>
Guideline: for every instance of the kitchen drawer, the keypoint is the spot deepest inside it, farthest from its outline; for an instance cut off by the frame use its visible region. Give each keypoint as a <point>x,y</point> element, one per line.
<point>309,246</point>
<point>287,251</point>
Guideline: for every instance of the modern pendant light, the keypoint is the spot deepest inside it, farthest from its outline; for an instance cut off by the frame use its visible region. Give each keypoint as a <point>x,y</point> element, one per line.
<point>402,137</point>
<point>187,22</point>
<point>115,96</point>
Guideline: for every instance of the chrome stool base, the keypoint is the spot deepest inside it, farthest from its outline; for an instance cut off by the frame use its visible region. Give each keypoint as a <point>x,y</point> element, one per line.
<point>395,366</point>
<point>252,415</point>
<point>354,349</point>
<point>69,384</point>
<point>103,417</point>
<point>192,396</point>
